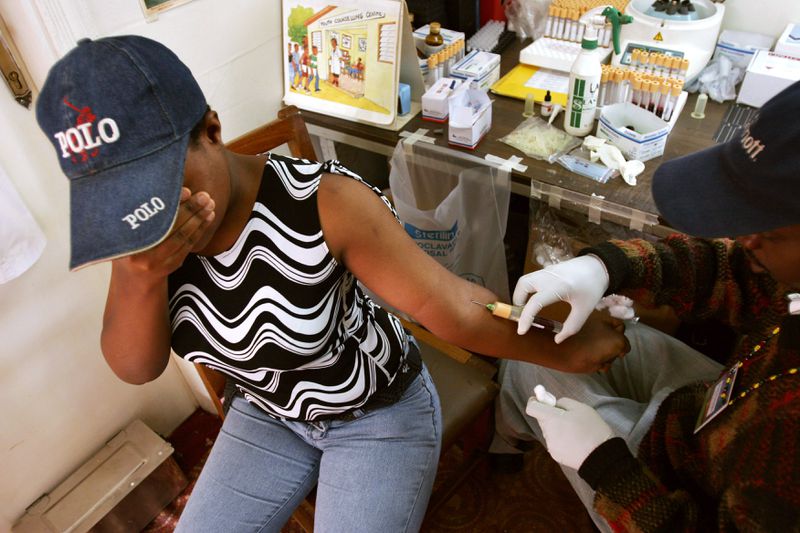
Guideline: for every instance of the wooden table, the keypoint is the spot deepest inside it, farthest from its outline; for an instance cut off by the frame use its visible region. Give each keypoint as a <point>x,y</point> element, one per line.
<point>621,202</point>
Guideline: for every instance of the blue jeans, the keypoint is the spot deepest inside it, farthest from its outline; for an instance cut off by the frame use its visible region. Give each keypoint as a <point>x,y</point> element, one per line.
<point>373,474</point>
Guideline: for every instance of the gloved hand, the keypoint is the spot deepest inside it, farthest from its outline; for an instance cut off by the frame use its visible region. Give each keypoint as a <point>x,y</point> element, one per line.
<point>572,430</point>
<point>581,282</point>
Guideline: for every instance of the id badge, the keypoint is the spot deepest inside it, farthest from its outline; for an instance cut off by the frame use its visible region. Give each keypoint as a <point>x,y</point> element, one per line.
<point>717,398</point>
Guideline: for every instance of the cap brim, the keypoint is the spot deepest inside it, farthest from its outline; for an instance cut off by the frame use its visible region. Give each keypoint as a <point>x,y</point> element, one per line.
<point>696,194</point>
<point>127,208</point>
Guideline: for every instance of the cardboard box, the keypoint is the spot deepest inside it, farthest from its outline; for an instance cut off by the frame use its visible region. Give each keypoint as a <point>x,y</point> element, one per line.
<point>741,46</point>
<point>789,42</point>
<point>470,116</point>
<point>767,74</point>
<point>482,68</point>
<point>648,137</point>
<point>435,105</point>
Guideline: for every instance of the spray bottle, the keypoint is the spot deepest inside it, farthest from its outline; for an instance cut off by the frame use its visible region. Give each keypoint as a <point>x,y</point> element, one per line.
<point>584,77</point>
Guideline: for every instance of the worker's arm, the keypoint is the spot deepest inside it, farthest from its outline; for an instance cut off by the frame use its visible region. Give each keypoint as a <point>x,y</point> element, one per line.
<point>136,329</point>
<point>364,235</point>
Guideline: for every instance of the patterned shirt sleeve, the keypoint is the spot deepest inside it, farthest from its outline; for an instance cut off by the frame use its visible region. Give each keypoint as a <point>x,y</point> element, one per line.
<point>699,278</point>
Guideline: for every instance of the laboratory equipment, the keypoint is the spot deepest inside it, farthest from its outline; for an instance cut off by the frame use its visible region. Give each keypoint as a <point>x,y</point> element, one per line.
<point>584,167</point>
<point>688,32</point>
<point>586,71</point>
<point>547,105</point>
<point>513,312</point>
<point>530,102</point>
<point>700,106</point>
<point>561,42</point>
<point>434,40</point>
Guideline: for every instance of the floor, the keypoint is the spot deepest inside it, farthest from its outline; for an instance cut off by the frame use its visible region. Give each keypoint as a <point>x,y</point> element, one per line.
<point>537,498</point>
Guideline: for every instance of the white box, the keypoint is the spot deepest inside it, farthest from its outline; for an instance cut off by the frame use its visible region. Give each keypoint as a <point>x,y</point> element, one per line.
<point>767,74</point>
<point>470,116</point>
<point>435,105</point>
<point>650,135</point>
<point>789,42</point>
<point>741,46</point>
<point>480,67</point>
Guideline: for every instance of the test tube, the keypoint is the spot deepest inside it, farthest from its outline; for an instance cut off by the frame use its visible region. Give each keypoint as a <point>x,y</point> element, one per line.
<point>662,101</point>
<point>451,58</point>
<point>628,86</point>
<point>634,59</point>
<point>684,68</point>
<point>548,28</point>
<point>669,107</point>
<point>655,94</point>
<point>658,65</point>
<point>645,100</point>
<point>674,66</point>
<point>439,66</point>
<point>573,34</point>
<point>607,35</point>
<point>644,59</point>
<point>618,87</point>
<point>636,96</point>
<point>561,19</point>
<point>601,96</point>
<point>433,73</point>
<point>568,25</point>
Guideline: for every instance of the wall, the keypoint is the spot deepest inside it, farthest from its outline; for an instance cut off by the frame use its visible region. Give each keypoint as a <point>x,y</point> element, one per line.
<point>60,401</point>
<point>769,17</point>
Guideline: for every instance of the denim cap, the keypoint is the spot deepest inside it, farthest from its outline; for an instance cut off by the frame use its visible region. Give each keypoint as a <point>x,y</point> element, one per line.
<point>119,111</point>
<point>749,184</point>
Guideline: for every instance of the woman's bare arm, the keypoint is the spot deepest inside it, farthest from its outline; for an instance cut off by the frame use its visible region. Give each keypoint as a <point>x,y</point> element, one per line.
<point>362,233</point>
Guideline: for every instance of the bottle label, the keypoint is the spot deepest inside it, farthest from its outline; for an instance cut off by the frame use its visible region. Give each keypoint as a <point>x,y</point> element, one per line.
<point>584,102</point>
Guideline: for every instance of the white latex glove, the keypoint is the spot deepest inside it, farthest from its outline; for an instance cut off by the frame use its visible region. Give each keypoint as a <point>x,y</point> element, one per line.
<point>581,282</point>
<point>572,430</point>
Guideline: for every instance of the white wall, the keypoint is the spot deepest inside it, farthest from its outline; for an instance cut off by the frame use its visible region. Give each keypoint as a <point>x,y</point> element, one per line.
<point>768,17</point>
<point>60,402</point>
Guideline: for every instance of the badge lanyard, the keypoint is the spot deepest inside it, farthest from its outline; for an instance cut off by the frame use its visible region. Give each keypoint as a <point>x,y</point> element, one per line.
<point>719,397</point>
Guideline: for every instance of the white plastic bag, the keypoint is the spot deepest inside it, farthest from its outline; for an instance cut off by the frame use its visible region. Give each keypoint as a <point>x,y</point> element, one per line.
<point>455,211</point>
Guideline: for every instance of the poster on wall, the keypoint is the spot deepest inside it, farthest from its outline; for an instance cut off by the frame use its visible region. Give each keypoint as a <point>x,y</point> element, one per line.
<point>152,8</point>
<point>342,57</point>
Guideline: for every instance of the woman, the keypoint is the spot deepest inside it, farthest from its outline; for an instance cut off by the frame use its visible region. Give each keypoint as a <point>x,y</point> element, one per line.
<point>257,275</point>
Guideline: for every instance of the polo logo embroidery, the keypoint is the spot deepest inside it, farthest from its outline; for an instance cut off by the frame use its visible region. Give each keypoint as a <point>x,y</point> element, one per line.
<point>85,138</point>
<point>144,212</point>
<point>752,146</point>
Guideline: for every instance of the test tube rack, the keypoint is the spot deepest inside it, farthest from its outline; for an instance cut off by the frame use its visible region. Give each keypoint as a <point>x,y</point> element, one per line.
<point>555,54</point>
<point>561,42</point>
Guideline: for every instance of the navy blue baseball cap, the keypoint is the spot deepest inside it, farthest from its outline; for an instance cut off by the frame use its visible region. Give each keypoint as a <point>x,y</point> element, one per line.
<point>747,185</point>
<point>119,111</point>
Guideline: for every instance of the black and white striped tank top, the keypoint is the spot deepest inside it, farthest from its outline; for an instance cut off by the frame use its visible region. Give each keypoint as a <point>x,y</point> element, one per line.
<point>279,314</point>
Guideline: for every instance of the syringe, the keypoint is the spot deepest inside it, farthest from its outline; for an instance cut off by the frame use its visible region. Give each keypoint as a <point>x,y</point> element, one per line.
<point>513,312</point>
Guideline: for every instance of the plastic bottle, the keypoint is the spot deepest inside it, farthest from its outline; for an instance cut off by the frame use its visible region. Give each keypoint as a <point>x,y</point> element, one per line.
<point>586,71</point>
